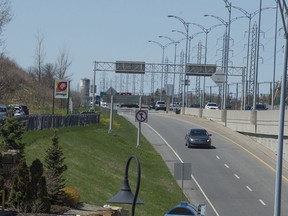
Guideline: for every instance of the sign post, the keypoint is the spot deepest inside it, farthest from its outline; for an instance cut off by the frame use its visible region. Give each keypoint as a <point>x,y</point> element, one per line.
<point>140,116</point>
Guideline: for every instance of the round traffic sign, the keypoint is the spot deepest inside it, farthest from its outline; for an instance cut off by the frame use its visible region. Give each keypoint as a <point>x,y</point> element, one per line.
<point>141,116</point>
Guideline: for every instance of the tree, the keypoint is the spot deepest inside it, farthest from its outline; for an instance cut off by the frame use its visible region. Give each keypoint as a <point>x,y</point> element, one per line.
<point>54,163</point>
<point>12,132</point>
<point>5,16</point>
<point>37,194</point>
<point>39,57</point>
<point>49,72</point>
<point>18,195</point>
<point>63,63</point>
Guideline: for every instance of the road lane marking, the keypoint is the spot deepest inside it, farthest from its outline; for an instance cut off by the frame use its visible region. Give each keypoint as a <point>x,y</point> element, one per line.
<point>217,157</point>
<point>262,202</point>
<point>226,166</point>
<point>200,188</point>
<point>249,188</point>
<point>236,176</point>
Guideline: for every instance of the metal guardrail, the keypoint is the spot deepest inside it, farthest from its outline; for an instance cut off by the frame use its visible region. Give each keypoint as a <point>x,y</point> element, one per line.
<point>40,122</point>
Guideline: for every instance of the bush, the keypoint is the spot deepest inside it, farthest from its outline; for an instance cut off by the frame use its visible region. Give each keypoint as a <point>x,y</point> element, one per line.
<point>71,196</point>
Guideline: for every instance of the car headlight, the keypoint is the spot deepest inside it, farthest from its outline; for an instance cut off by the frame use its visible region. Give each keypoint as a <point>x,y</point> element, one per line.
<point>191,139</point>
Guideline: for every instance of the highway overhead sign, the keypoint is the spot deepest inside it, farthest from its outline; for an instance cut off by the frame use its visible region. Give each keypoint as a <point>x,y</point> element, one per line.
<point>218,77</point>
<point>141,116</point>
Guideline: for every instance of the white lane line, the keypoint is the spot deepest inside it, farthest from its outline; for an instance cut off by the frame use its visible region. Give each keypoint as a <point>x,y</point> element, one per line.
<point>191,174</point>
<point>263,203</point>
<point>217,157</point>
<point>249,188</point>
<point>236,176</point>
<point>226,166</point>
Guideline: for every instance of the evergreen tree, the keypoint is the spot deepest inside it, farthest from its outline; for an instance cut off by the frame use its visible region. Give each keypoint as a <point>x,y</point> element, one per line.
<point>37,190</point>
<point>54,163</point>
<point>12,132</point>
<point>18,194</point>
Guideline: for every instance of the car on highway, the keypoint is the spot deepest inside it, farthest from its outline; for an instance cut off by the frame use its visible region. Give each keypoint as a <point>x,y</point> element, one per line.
<point>152,105</point>
<point>212,105</point>
<point>160,105</point>
<point>198,138</point>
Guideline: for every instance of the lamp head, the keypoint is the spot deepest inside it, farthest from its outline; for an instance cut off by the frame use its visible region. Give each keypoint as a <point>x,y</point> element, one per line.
<point>170,16</point>
<point>206,15</point>
<point>125,195</point>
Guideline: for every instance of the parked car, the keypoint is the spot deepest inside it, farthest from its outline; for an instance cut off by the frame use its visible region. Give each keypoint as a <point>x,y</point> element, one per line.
<point>19,109</point>
<point>173,106</point>
<point>211,105</point>
<point>3,111</point>
<point>160,105</point>
<point>198,138</point>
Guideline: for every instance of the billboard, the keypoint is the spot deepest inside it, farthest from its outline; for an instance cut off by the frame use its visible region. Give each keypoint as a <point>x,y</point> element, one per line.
<point>61,89</point>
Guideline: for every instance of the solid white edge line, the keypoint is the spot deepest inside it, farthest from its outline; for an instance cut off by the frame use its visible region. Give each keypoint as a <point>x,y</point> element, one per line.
<point>191,174</point>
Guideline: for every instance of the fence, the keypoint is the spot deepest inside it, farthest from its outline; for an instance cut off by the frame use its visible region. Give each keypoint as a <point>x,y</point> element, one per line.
<point>40,122</point>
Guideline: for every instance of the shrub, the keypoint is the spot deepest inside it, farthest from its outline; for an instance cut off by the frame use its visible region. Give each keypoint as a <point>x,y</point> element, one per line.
<point>71,196</point>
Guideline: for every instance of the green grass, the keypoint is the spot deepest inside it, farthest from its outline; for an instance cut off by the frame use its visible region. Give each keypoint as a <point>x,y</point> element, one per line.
<point>96,163</point>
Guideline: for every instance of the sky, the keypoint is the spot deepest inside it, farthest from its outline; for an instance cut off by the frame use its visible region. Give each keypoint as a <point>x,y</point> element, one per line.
<point>119,30</point>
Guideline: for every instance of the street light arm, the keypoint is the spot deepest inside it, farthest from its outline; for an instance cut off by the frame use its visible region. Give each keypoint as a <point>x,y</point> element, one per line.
<point>228,5</point>
<point>180,32</point>
<point>219,18</point>
<point>159,44</point>
<point>194,35</point>
<point>181,20</point>
<point>251,15</point>
<point>200,26</point>
<point>167,38</point>
<point>236,18</point>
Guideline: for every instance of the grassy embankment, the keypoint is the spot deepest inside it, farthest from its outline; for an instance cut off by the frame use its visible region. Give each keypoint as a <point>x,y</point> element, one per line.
<point>96,163</point>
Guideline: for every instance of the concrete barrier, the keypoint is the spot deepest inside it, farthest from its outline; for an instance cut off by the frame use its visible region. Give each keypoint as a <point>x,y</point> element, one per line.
<point>263,126</point>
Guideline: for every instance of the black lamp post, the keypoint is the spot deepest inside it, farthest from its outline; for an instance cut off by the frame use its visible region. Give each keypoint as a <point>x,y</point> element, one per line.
<point>125,195</point>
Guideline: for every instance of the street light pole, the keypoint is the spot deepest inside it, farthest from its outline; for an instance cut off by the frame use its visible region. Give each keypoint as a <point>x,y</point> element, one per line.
<point>186,26</point>
<point>162,70</point>
<point>206,31</point>
<point>175,55</point>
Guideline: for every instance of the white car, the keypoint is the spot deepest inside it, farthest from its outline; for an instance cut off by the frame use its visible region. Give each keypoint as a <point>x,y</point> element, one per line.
<point>212,105</point>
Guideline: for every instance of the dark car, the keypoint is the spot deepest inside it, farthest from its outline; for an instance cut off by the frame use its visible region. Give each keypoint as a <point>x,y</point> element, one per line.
<point>152,105</point>
<point>195,106</point>
<point>19,109</point>
<point>198,138</point>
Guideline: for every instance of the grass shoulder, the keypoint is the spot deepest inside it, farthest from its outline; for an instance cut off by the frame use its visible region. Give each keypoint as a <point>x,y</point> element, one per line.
<point>96,162</point>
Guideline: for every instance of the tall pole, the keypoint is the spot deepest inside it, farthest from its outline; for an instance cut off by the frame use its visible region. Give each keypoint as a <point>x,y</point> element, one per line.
<point>186,26</point>
<point>257,59</point>
<point>175,58</point>
<point>162,70</point>
<point>94,86</point>
<point>278,181</point>
<point>274,62</point>
<point>206,31</point>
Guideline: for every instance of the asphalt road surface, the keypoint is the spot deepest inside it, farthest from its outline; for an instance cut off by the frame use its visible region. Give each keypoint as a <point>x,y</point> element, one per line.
<point>235,177</point>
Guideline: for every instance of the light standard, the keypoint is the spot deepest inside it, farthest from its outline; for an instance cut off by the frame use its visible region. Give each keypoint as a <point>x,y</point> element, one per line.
<point>226,51</point>
<point>125,196</point>
<point>186,26</point>
<point>250,16</point>
<point>189,48</point>
<point>206,31</point>
<point>163,50</point>
<point>175,44</point>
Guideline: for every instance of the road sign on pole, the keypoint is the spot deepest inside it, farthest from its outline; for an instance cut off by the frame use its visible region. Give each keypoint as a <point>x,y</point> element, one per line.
<point>218,77</point>
<point>141,116</point>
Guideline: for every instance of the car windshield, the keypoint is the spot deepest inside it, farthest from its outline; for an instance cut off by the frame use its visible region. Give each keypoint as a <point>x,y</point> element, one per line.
<point>212,104</point>
<point>198,133</point>
<point>160,102</point>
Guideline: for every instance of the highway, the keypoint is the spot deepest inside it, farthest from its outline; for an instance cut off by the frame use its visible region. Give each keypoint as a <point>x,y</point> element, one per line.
<point>235,177</point>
